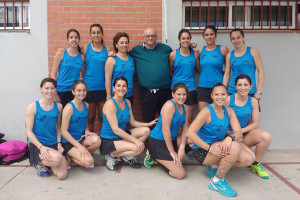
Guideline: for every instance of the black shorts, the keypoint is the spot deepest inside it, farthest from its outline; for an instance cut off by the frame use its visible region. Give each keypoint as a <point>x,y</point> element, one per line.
<point>34,153</point>
<point>204,94</point>
<point>191,98</point>
<point>200,154</point>
<point>108,146</point>
<point>65,97</point>
<point>95,96</point>
<point>68,146</point>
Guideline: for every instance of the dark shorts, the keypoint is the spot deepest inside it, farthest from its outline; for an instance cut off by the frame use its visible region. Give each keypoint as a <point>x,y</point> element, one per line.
<point>130,99</point>
<point>191,98</point>
<point>200,154</point>
<point>108,146</point>
<point>34,153</point>
<point>95,96</point>
<point>68,146</point>
<point>65,97</point>
<point>204,94</point>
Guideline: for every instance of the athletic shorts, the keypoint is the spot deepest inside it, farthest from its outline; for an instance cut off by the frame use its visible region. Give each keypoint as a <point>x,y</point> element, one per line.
<point>65,97</point>
<point>95,96</point>
<point>204,94</point>
<point>191,98</point>
<point>108,146</point>
<point>68,146</point>
<point>200,154</point>
<point>34,153</point>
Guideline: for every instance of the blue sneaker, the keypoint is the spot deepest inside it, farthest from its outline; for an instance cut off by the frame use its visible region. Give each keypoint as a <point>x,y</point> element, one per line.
<point>42,170</point>
<point>222,187</point>
<point>190,156</point>
<point>211,171</point>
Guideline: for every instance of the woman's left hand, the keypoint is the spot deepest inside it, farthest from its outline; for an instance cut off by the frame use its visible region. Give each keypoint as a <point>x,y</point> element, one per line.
<point>181,152</point>
<point>176,159</point>
<point>60,148</point>
<point>257,96</point>
<point>152,123</point>
<point>226,145</point>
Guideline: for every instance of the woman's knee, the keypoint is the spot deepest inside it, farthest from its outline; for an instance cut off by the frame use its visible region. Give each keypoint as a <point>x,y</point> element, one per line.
<point>247,159</point>
<point>57,158</point>
<point>266,136</point>
<point>178,173</point>
<point>235,148</point>
<point>62,175</point>
<point>146,131</point>
<point>95,140</point>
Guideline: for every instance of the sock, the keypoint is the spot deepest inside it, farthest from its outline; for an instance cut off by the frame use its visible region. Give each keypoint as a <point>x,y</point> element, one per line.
<point>255,163</point>
<point>215,179</point>
<point>214,166</point>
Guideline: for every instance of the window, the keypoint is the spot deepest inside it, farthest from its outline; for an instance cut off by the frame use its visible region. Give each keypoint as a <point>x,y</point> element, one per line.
<point>244,14</point>
<point>14,15</point>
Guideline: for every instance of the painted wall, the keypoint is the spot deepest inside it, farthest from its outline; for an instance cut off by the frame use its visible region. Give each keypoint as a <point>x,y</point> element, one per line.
<point>280,53</point>
<point>23,63</point>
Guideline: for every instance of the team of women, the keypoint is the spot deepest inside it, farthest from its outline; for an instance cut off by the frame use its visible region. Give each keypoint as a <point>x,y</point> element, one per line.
<point>60,126</point>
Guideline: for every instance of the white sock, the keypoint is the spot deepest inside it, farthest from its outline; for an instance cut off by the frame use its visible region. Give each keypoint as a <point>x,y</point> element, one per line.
<point>214,166</point>
<point>215,179</point>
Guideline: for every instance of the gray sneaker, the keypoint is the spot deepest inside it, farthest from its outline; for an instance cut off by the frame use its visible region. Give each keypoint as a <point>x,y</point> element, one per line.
<point>42,170</point>
<point>111,162</point>
<point>131,160</point>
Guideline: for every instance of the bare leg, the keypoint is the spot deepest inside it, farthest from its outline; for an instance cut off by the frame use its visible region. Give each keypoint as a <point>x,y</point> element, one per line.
<point>174,170</point>
<point>85,161</point>
<point>202,104</point>
<point>190,113</point>
<point>91,116</point>
<point>99,109</point>
<point>92,143</point>
<point>246,157</point>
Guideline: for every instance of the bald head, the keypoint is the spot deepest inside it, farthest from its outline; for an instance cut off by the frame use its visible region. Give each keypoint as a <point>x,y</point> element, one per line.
<point>150,36</point>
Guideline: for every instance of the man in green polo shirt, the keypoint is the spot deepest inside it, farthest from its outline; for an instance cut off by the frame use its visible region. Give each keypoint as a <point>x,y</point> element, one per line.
<point>152,67</point>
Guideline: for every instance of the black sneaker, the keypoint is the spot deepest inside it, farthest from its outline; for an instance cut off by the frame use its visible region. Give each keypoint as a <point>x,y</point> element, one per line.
<point>131,160</point>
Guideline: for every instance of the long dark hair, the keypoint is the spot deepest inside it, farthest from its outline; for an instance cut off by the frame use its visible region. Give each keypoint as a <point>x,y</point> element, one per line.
<point>77,32</point>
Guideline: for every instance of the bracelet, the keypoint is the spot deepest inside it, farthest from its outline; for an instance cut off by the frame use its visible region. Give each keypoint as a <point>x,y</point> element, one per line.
<point>209,148</point>
<point>41,147</point>
<point>258,92</point>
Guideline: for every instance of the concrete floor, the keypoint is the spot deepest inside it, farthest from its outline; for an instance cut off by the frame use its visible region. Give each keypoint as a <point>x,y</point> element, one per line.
<point>19,181</point>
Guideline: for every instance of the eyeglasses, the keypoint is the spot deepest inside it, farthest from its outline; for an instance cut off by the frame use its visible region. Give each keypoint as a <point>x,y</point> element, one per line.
<point>150,36</point>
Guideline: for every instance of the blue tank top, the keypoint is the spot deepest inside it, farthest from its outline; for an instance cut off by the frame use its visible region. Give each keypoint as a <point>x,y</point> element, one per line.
<point>216,130</point>
<point>94,75</point>
<point>242,65</point>
<point>243,113</point>
<point>123,117</point>
<point>44,126</point>
<point>211,63</point>
<point>177,121</point>
<point>77,122</point>
<point>126,69</point>
<point>184,70</point>
<point>69,71</point>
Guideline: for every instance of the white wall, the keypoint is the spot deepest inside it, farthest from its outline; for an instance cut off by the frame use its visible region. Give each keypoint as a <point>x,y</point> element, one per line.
<point>281,57</point>
<point>23,62</point>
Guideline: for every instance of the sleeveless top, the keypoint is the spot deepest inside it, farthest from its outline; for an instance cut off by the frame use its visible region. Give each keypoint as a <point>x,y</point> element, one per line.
<point>126,69</point>
<point>211,64</point>
<point>77,122</point>
<point>216,130</point>
<point>243,113</point>
<point>94,75</point>
<point>184,70</point>
<point>44,126</point>
<point>123,117</point>
<point>177,121</point>
<point>242,65</point>
<point>69,71</point>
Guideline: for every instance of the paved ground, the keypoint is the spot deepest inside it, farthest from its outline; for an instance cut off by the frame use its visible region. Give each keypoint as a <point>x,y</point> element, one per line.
<point>19,181</point>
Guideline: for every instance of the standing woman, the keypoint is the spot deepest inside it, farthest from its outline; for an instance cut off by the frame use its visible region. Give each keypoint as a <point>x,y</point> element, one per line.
<point>43,119</point>
<point>212,59</point>
<point>247,112</point>
<point>78,141</point>
<point>211,144</point>
<point>164,146</point>
<point>243,60</point>
<point>95,55</point>
<point>182,63</point>
<point>67,64</point>
<point>120,65</point>
<point>117,142</point>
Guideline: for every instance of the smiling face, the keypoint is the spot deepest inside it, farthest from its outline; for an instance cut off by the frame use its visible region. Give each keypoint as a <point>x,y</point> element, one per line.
<point>48,90</point>
<point>120,88</point>
<point>122,44</point>
<point>79,91</point>
<point>185,40</point>
<point>219,95</point>
<point>180,95</point>
<point>209,36</point>
<point>96,34</point>
<point>73,39</point>
<point>243,87</point>
<point>150,36</point>
<point>237,39</point>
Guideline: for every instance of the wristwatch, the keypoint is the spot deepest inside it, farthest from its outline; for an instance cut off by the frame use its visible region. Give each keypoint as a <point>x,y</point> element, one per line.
<point>232,136</point>
<point>258,92</point>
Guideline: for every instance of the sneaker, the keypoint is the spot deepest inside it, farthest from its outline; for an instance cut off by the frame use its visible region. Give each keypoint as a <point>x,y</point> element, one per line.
<point>190,156</point>
<point>42,170</point>
<point>259,170</point>
<point>131,160</point>
<point>92,166</point>
<point>111,162</point>
<point>69,167</point>
<point>211,171</point>
<point>148,160</point>
<point>222,187</point>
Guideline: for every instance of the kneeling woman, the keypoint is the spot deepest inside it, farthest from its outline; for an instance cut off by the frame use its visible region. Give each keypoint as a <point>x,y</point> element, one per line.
<point>213,147</point>
<point>247,111</point>
<point>43,131</point>
<point>78,141</point>
<point>163,142</point>
<point>117,142</point>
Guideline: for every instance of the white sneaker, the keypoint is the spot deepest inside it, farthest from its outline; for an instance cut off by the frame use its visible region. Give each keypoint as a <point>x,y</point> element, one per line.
<point>111,162</point>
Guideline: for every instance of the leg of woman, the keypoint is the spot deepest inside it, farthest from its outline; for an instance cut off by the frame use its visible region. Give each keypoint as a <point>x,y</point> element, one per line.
<point>58,164</point>
<point>259,138</point>
<point>125,148</point>
<point>85,161</point>
<point>99,109</point>
<point>202,104</point>
<point>92,142</point>
<point>91,116</point>
<point>190,113</point>
<point>141,133</point>
<point>174,170</point>
<point>246,157</point>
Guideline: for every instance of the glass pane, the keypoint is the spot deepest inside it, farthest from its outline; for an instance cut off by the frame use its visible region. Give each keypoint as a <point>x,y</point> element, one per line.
<point>238,15</point>
<point>222,17</point>
<point>1,16</point>
<point>187,16</point>
<point>275,15</point>
<point>204,13</point>
<point>284,16</point>
<point>257,15</point>
<point>9,16</point>
<point>18,17</point>
<point>195,17</point>
<point>266,16</point>
<point>25,16</point>
<point>213,16</point>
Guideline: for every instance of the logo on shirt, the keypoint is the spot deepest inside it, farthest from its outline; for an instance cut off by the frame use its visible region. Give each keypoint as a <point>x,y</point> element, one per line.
<point>215,56</point>
<point>203,56</point>
<point>42,118</point>
<point>123,66</point>
<point>77,119</point>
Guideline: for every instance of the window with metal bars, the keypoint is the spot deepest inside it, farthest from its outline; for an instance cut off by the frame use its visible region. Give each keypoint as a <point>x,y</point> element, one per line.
<point>251,15</point>
<point>14,15</point>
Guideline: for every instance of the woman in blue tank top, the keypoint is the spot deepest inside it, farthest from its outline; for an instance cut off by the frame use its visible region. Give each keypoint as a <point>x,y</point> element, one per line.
<point>243,60</point>
<point>43,119</point>
<point>164,144</point>
<point>120,65</point>
<point>212,59</point>
<point>212,146</point>
<point>77,140</point>
<point>116,142</point>
<point>247,111</point>
<point>66,68</point>
<point>93,72</point>
<point>183,62</point>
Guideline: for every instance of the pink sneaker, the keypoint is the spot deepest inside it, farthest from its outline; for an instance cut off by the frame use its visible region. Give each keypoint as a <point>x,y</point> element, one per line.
<point>91,166</point>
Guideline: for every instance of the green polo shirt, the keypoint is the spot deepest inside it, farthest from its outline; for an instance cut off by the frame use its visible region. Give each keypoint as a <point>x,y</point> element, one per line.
<point>152,66</point>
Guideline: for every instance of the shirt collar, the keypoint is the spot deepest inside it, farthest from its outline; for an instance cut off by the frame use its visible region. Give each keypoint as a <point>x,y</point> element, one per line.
<point>148,48</point>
